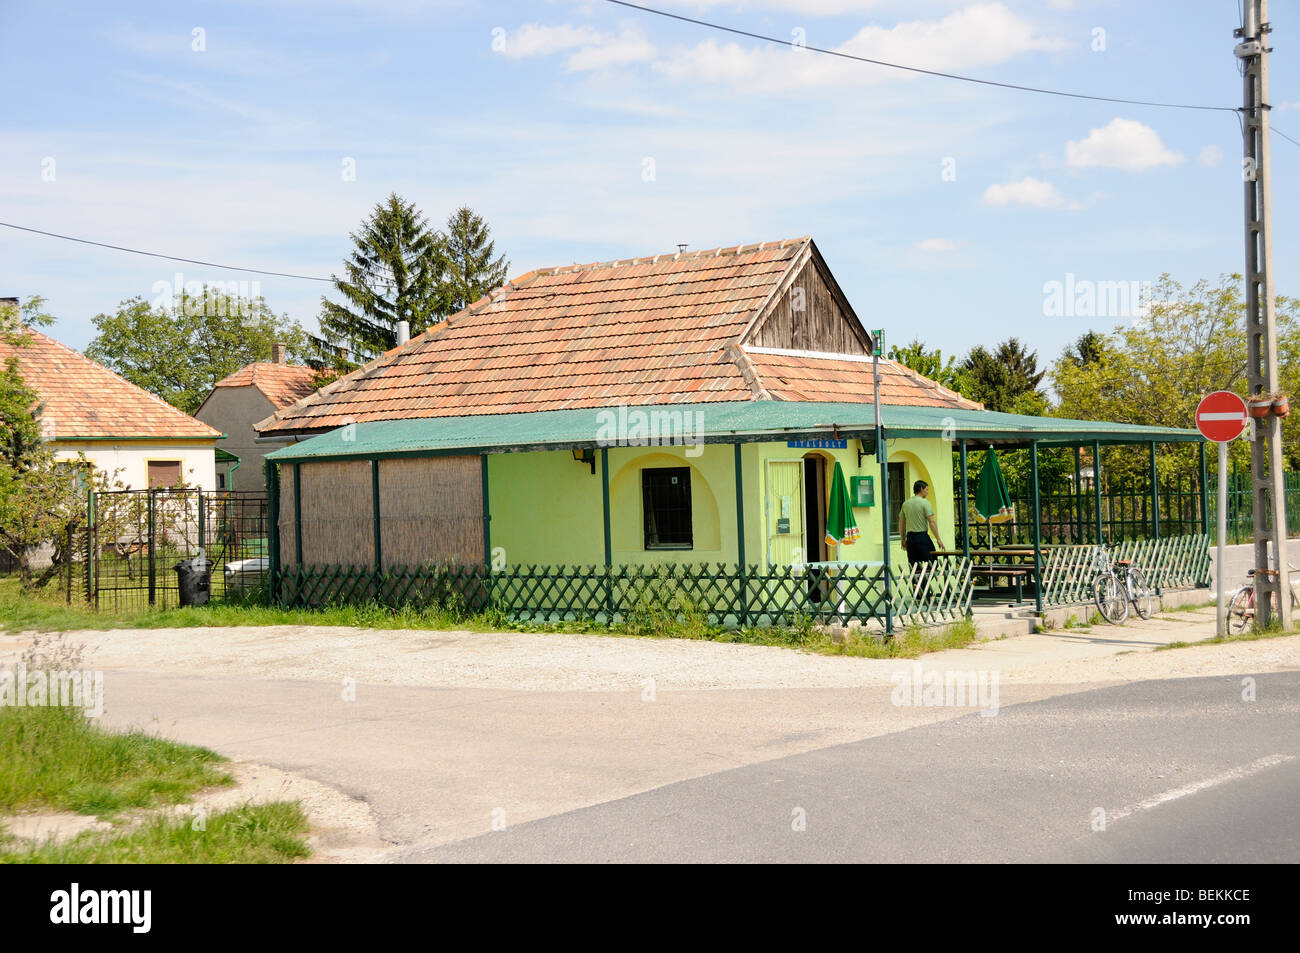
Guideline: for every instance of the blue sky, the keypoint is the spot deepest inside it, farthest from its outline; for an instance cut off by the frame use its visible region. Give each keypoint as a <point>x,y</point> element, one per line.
<point>586,131</point>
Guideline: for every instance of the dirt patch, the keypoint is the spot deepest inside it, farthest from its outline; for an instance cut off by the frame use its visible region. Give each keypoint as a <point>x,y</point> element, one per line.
<point>342,829</point>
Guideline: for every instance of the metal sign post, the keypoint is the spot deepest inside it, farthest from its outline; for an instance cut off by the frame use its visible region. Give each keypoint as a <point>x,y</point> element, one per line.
<point>1221,417</point>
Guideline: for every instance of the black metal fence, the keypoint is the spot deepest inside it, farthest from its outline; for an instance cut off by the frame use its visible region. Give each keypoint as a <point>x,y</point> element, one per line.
<point>135,538</point>
<point>1128,513</point>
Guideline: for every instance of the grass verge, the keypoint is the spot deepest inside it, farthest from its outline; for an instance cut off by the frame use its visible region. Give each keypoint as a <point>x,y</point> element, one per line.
<point>1253,635</point>
<point>256,834</point>
<point>56,758</point>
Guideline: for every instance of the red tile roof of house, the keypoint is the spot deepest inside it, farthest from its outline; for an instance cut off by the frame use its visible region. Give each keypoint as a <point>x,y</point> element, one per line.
<point>656,330</point>
<point>282,384</point>
<point>79,398</point>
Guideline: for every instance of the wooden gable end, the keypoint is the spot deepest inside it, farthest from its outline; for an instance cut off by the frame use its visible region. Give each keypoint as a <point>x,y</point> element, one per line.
<point>809,312</point>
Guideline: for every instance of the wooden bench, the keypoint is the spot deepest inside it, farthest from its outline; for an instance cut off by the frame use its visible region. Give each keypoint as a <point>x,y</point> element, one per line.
<point>1015,574</point>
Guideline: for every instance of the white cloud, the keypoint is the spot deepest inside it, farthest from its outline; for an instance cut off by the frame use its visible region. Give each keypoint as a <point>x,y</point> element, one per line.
<point>593,49</point>
<point>1210,156</point>
<point>630,46</point>
<point>1028,191</point>
<point>982,34</point>
<point>1121,144</point>
<point>937,245</point>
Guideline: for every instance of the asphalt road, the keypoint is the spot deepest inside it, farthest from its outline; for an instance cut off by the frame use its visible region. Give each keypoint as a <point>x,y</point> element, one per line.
<point>1184,770</point>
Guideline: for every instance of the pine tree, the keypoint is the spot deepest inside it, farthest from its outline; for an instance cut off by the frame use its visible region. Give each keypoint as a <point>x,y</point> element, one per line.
<point>469,269</point>
<point>393,274</point>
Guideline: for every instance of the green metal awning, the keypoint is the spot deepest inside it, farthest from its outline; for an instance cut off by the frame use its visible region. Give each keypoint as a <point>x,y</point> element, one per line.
<point>225,456</point>
<point>753,421</point>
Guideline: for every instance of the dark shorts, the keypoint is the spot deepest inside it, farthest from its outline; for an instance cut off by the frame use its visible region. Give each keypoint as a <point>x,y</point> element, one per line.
<point>919,548</point>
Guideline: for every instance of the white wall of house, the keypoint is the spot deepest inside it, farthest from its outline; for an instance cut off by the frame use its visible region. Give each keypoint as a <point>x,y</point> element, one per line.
<point>197,459</point>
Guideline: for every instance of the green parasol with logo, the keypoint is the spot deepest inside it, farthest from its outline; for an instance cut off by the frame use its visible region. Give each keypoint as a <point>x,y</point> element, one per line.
<point>841,529</point>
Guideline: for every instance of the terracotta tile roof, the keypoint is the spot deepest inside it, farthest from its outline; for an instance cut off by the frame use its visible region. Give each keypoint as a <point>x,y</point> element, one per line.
<point>656,330</point>
<point>282,384</point>
<point>792,375</point>
<point>79,398</point>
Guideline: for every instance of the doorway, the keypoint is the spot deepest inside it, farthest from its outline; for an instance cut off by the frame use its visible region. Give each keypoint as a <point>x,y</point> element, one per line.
<point>814,482</point>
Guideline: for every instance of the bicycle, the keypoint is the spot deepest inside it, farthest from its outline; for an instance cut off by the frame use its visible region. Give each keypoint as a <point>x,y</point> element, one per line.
<point>1119,583</point>
<point>1241,604</point>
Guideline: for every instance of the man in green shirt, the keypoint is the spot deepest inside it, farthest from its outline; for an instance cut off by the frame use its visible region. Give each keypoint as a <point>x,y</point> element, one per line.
<point>916,523</point>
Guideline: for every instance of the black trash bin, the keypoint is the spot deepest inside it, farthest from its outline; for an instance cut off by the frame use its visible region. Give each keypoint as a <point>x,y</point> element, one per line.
<point>194,580</point>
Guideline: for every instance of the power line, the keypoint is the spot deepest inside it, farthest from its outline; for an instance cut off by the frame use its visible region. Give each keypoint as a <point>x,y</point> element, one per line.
<point>1284,135</point>
<point>150,254</point>
<point>915,69</point>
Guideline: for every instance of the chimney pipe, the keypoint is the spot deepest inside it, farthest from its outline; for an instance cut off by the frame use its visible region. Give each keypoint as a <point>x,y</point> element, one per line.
<point>278,353</point>
<point>403,332</point>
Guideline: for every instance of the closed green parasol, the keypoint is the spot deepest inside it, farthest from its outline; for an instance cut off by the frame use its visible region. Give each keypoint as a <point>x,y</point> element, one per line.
<point>992,502</point>
<point>840,526</point>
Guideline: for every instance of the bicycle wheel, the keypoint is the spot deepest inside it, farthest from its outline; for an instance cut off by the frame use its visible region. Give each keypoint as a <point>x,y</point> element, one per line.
<point>1108,594</point>
<point>1142,593</point>
<point>1241,610</point>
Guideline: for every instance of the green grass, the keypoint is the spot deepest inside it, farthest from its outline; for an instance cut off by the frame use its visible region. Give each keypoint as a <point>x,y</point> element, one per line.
<point>57,758</point>
<point>912,642</point>
<point>47,612</point>
<point>656,614</point>
<point>255,834</point>
<point>1250,635</point>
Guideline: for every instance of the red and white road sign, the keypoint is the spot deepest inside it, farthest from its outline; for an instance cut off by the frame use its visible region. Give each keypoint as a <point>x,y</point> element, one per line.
<point>1221,416</point>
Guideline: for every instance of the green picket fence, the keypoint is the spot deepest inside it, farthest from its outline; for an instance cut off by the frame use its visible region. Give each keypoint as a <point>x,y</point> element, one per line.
<point>721,594</point>
<point>1176,562</point>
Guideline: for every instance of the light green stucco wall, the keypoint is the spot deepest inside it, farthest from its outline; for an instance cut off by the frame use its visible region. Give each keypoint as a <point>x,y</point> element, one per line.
<point>547,509</point>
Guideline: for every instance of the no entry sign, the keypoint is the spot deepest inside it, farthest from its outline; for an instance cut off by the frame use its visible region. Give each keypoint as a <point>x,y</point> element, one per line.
<point>1221,416</point>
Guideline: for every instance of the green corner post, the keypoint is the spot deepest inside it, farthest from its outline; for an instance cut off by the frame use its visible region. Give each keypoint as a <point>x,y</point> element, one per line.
<point>297,526</point>
<point>374,505</point>
<point>965,502</point>
<point>272,472</point>
<point>1096,487</point>
<point>488,594</point>
<point>153,568</point>
<point>609,545</point>
<point>882,457</point>
<point>90,542</point>
<point>1205,492</point>
<point>740,539</point>
<point>1078,494</point>
<point>1155,495</point>
<point>1155,507</point>
<point>882,453</point>
<point>487,514</point>
<point>1038,529</point>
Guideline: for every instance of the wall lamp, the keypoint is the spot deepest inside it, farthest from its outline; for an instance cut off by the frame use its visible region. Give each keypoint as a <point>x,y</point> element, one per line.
<point>586,456</point>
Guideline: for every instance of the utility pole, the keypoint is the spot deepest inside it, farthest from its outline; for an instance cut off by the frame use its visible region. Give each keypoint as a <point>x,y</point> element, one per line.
<point>1268,497</point>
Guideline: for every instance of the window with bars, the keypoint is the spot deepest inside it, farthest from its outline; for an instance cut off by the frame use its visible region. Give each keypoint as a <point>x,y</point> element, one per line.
<point>666,503</point>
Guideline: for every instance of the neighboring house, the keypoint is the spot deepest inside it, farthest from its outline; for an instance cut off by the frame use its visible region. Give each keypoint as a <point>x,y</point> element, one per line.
<point>239,401</point>
<point>122,429</point>
<point>682,408</point>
